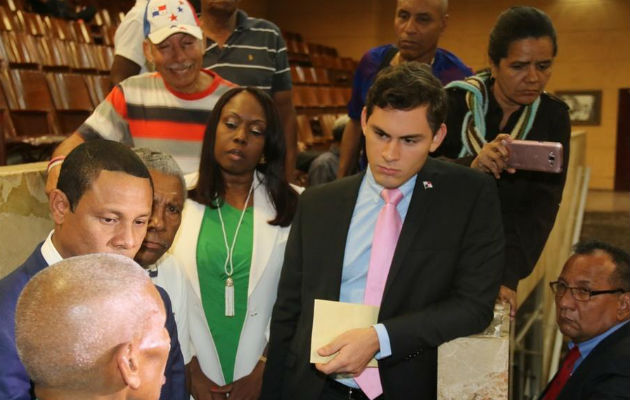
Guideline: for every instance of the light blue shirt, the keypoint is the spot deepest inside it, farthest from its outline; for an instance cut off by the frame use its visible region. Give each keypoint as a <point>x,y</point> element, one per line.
<point>587,346</point>
<point>359,246</point>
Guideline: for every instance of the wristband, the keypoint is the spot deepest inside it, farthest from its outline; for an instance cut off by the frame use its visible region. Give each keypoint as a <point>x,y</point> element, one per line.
<point>54,162</point>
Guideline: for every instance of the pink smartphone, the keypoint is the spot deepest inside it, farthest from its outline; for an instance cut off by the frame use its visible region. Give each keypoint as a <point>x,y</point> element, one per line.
<point>531,155</point>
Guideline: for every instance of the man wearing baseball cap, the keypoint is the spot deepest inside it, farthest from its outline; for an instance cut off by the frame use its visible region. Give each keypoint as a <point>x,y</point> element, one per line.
<point>164,110</point>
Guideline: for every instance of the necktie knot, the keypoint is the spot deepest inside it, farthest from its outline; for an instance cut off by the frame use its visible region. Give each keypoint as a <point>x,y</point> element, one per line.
<point>391,196</point>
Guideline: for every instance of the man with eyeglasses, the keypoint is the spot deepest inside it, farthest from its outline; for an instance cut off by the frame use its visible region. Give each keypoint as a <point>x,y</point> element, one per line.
<point>593,308</point>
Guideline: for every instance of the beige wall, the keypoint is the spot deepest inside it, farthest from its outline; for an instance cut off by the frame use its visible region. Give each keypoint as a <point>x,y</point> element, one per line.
<point>593,40</point>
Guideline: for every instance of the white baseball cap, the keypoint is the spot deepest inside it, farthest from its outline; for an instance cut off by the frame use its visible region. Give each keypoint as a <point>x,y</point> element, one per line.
<point>164,18</point>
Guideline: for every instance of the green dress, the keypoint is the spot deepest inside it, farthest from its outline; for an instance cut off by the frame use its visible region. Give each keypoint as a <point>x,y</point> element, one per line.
<point>211,256</point>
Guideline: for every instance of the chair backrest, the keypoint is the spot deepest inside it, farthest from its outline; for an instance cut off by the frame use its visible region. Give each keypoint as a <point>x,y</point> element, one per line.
<point>322,76</point>
<point>302,75</point>
<point>327,122</point>
<point>99,87</point>
<point>82,57</point>
<point>81,31</point>
<point>103,15</point>
<point>71,99</point>
<point>7,20</point>
<point>324,96</point>
<point>53,54</point>
<point>31,23</point>
<point>60,28</point>
<point>308,95</point>
<point>297,75</point>
<point>305,132</point>
<point>30,103</point>
<point>104,56</point>
<point>21,49</point>
<point>108,33</point>
<point>6,127</point>
<point>338,96</point>
<point>13,5</point>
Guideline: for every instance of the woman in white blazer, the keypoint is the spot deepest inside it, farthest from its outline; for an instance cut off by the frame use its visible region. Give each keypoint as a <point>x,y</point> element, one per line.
<point>231,242</point>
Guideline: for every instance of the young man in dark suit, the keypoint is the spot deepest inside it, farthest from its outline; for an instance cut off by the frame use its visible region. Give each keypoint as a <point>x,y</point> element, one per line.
<point>593,309</point>
<point>440,229</point>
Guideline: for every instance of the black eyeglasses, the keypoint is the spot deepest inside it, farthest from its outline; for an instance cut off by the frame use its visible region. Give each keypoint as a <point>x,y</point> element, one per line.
<point>579,293</point>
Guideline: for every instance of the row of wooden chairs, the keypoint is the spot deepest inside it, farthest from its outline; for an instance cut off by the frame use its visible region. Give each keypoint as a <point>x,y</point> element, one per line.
<point>321,60</point>
<point>307,99</point>
<point>20,50</point>
<point>50,27</point>
<point>297,44</point>
<point>40,108</point>
<point>302,53</point>
<point>301,75</point>
<point>310,75</point>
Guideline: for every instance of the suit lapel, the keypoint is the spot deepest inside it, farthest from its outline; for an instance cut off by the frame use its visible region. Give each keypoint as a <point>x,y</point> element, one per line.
<point>592,361</point>
<point>265,235</point>
<point>421,200</point>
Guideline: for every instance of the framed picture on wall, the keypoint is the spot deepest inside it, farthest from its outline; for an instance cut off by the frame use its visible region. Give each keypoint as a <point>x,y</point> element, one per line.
<point>585,106</point>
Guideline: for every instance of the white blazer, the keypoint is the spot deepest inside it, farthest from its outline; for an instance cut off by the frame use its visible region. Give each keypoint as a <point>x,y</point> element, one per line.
<point>267,258</point>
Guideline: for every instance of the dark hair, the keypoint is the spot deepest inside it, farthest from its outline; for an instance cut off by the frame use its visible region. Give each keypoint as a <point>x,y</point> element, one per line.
<point>518,23</point>
<point>84,164</point>
<point>621,275</point>
<point>210,188</point>
<point>405,87</point>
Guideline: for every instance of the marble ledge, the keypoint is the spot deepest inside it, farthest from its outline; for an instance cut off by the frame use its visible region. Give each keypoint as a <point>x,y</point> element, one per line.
<point>477,367</point>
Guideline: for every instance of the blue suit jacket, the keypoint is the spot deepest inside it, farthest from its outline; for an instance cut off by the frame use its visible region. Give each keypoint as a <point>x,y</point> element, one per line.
<point>14,381</point>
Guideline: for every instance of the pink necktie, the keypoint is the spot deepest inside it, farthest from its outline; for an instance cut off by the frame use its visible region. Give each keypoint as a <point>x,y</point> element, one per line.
<point>386,234</point>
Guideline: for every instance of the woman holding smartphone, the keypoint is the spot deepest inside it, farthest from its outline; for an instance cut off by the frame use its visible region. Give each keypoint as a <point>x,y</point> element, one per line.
<point>508,102</point>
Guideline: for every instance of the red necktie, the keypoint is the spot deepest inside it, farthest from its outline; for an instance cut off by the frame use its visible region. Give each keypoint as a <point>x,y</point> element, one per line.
<point>563,374</point>
<point>384,242</point>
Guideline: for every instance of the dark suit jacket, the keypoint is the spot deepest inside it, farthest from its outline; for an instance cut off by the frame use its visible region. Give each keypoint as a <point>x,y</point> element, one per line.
<point>604,374</point>
<point>442,283</point>
<point>15,383</point>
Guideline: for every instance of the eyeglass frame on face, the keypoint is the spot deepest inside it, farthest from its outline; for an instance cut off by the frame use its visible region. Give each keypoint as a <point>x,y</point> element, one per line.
<point>556,285</point>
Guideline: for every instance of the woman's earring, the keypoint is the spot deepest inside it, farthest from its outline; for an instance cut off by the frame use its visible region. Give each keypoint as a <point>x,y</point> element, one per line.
<point>262,160</point>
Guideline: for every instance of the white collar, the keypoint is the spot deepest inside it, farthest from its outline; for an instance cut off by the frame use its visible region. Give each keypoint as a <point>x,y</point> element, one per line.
<point>49,252</point>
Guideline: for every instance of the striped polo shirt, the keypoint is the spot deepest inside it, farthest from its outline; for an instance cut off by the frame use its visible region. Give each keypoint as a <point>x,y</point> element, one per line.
<point>142,111</point>
<point>255,54</point>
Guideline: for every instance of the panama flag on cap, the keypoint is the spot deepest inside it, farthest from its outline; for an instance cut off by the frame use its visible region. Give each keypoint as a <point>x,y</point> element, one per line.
<point>164,18</point>
<point>159,10</point>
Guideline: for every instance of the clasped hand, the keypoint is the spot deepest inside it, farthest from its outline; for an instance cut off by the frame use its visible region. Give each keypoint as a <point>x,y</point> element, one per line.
<point>355,348</point>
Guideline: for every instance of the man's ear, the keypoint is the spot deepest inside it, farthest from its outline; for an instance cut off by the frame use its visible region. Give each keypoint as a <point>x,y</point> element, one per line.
<point>438,138</point>
<point>59,206</point>
<point>146,49</point>
<point>444,23</point>
<point>623,308</point>
<point>364,120</point>
<point>128,362</point>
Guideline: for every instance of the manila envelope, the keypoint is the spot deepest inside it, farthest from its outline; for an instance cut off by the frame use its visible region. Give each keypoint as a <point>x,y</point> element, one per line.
<point>332,318</point>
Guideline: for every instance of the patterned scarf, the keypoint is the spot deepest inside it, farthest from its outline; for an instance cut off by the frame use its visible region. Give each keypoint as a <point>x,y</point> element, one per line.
<point>474,125</point>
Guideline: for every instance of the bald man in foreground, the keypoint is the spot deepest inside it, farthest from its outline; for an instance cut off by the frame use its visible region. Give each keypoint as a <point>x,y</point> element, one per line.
<point>92,327</point>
